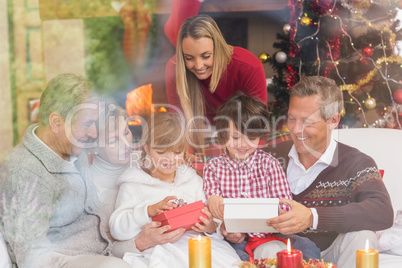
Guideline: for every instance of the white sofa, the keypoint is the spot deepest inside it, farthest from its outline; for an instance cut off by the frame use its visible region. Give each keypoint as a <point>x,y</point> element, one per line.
<point>385,147</point>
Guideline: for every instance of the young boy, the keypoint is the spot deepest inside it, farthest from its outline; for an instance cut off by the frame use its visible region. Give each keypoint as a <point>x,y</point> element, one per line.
<point>245,171</point>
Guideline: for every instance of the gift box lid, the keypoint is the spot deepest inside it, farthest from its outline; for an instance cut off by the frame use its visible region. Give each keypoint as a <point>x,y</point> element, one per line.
<point>198,205</point>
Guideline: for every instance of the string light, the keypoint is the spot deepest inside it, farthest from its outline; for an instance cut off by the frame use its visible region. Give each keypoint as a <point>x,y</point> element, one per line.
<point>380,66</point>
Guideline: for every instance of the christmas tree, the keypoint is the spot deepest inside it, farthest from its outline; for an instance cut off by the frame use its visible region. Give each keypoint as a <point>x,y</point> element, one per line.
<point>354,42</point>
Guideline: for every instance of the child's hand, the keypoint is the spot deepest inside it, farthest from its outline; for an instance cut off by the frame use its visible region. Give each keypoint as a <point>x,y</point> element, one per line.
<point>161,206</point>
<point>215,205</point>
<point>206,225</point>
<point>235,238</point>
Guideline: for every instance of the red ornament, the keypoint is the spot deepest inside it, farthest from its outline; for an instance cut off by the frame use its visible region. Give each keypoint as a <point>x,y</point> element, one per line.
<point>398,96</point>
<point>400,4</point>
<point>368,51</point>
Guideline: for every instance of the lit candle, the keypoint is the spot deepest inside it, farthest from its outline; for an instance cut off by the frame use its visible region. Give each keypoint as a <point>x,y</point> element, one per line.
<point>367,258</point>
<point>289,258</point>
<point>199,252</point>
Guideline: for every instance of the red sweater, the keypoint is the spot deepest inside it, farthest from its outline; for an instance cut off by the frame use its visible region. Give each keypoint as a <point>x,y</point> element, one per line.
<point>244,73</point>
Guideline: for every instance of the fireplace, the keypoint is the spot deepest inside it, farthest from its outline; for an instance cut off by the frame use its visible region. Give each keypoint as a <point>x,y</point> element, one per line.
<point>139,108</point>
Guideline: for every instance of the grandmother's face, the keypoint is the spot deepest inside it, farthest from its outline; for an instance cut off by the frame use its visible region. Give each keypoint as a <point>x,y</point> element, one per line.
<point>199,56</point>
<point>117,147</point>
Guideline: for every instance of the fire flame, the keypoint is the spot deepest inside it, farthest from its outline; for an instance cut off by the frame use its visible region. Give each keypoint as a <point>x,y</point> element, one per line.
<point>139,101</point>
<point>289,246</point>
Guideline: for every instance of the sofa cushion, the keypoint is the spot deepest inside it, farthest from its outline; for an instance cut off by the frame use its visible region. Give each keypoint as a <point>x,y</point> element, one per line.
<point>384,145</point>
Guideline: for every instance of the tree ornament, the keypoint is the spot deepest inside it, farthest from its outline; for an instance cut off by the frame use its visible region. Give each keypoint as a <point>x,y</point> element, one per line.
<point>281,57</point>
<point>264,57</point>
<point>343,112</point>
<point>398,96</point>
<point>370,103</point>
<point>368,51</point>
<point>286,28</point>
<point>305,21</point>
<point>380,123</point>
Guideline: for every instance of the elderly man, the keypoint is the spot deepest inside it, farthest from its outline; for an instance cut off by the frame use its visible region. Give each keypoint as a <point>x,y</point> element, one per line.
<point>339,196</point>
<point>44,220</point>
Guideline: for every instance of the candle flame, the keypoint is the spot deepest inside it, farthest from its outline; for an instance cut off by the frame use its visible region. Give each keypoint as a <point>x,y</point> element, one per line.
<point>367,246</point>
<point>289,246</point>
<point>199,237</point>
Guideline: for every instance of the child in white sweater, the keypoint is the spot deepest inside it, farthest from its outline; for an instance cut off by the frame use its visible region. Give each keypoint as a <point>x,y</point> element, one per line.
<point>147,190</point>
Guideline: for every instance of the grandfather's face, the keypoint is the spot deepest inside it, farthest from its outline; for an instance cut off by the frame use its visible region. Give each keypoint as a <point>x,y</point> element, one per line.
<point>310,132</point>
<point>80,129</point>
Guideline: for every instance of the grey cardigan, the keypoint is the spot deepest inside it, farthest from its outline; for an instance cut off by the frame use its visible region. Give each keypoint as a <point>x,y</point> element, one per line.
<point>44,215</point>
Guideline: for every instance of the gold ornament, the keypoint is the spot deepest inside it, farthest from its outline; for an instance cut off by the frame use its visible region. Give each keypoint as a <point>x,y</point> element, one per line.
<point>264,57</point>
<point>343,112</point>
<point>370,103</point>
<point>286,28</point>
<point>284,128</point>
<point>305,21</point>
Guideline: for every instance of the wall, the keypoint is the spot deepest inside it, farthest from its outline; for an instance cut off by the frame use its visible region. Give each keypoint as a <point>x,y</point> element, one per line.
<point>262,30</point>
<point>6,132</point>
<point>63,46</point>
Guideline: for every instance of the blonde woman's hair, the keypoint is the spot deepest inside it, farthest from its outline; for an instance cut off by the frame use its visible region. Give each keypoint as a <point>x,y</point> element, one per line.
<point>166,131</point>
<point>187,84</point>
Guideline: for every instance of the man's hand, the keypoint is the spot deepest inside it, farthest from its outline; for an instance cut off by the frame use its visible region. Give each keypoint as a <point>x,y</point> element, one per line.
<point>236,238</point>
<point>298,219</point>
<point>215,205</point>
<point>161,206</point>
<point>152,234</point>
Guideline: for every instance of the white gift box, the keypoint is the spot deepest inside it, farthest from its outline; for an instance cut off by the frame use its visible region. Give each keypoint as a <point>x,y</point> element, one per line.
<point>249,215</point>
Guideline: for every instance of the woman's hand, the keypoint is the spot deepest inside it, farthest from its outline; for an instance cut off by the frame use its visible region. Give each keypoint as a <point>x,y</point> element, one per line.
<point>215,205</point>
<point>153,234</point>
<point>206,225</point>
<point>161,206</point>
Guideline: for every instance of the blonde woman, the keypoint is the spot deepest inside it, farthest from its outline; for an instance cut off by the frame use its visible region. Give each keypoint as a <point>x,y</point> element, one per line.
<point>206,71</point>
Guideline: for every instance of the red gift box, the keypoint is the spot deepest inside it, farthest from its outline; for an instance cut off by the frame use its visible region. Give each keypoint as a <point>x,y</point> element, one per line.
<point>182,217</point>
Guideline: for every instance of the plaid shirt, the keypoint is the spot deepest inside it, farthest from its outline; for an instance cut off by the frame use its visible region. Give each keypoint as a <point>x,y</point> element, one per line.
<point>260,176</point>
